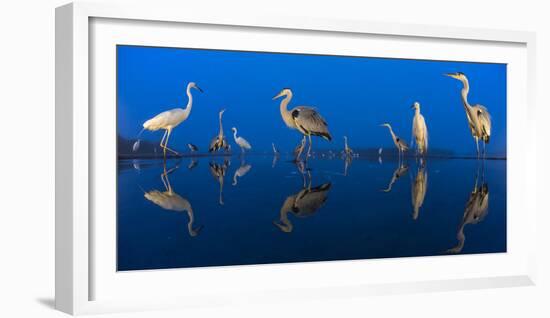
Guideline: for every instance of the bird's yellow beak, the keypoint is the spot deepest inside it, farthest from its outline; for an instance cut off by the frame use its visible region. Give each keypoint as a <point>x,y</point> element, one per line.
<point>277,96</point>
<point>453,75</point>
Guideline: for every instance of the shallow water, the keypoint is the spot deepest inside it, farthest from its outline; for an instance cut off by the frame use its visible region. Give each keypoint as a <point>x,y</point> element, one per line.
<point>212,211</point>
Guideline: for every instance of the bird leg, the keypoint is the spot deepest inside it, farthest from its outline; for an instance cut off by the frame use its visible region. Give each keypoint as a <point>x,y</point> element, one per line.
<point>309,148</point>
<point>477,146</point>
<point>162,142</point>
<point>166,143</point>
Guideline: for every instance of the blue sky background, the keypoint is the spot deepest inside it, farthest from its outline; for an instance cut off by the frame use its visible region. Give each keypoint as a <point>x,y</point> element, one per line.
<point>354,95</point>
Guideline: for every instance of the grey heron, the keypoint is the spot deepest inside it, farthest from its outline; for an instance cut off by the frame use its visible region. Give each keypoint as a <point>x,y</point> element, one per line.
<point>479,118</point>
<point>169,120</point>
<point>219,142</point>
<point>306,120</point>
<point>401,144</point>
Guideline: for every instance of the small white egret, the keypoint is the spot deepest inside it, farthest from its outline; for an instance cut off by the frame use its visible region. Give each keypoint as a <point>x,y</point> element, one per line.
<point>169,120</point>
<point>303,118</point>
<point>479,119</point>
<point>419,131</point>
<point>245,145</point>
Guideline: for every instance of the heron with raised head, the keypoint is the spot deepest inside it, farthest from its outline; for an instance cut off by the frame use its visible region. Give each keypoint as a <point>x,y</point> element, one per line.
<point>219,142</point>
<point>348,152</point>
<point>306,120</point>
<point>479,118</point>
<point>240,141</point>
<point>169,120</point>
<point>419,131</point>
<point>401,144</point>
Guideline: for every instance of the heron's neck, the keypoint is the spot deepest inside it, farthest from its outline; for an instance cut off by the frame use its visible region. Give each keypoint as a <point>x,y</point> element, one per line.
<point>221,126</point>
<point>189,101</point>
<point>235,134</point>
<point>392,134</point>
<point>465,91</point>
<point>284,111</point>
<point>417,111</point>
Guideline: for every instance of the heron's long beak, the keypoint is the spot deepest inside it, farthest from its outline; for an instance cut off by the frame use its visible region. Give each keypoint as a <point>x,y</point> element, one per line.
<point>277,96</point>
<point>199,89</point>
<point>453,75</point>
<point>412,106</point>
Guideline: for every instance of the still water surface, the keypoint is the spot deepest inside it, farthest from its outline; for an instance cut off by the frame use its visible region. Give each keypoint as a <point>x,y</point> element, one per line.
<point>215,211</point>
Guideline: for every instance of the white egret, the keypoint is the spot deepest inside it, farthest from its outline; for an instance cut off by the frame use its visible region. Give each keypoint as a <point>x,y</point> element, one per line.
<point>219,142</point>
<point>240,141</point>
<point>303,118</point>
<point>479,119</point>
<point>169,120</point>
<point>401,144</point>
<point>419,131</point>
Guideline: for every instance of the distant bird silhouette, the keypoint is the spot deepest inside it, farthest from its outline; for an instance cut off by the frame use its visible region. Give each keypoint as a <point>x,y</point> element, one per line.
<point>168,120</point>
<point>193,148</point>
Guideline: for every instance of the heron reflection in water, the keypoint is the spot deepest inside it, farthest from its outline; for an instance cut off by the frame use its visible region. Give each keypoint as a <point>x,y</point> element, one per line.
<point>347,163</point>
<point>218,171</point>
<point>241,171</point>
<point>419,188</point>
<point>193,164</point>
<point>304,203</point>
<point>170,200</point>
<point>400,171</point>
<point>475,211</point>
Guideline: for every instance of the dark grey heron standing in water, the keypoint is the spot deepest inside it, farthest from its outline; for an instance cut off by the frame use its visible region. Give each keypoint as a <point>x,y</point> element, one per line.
<point>419,131</point>
<point>303,118</point>
<point>219,142</point>
<point>401,144</point>
<point>168,120</point>
<point>479,119</point>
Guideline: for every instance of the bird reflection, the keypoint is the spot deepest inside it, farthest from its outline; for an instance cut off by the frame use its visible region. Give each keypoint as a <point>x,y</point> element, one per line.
<point>476,209</point>
<point>419,188</point>
<point>304,203</point>
<point>243,169</point>
<point>218,172</point>
<point>193,164</point>
<point>347,164</point>
<point>400,171</point>
<point>170,200</point>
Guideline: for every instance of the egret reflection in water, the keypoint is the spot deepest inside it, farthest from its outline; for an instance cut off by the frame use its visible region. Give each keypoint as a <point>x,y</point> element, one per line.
<point>475,211</point>
<point>241,171</point>
<point>419,188</point>
<point>170,200</point>
<point>304,203</point>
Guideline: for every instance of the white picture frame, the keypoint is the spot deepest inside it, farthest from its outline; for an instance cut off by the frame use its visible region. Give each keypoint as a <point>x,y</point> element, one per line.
<point>76,156</point>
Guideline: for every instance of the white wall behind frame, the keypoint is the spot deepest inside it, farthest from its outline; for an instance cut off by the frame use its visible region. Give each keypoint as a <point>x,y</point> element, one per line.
<point>26,230</point>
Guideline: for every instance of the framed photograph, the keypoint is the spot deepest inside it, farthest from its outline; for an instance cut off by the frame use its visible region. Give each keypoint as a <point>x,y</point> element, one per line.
<point>203,158</point>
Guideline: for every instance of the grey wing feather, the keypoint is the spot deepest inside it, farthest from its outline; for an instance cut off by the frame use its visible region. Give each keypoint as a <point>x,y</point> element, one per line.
<point>309,120</point>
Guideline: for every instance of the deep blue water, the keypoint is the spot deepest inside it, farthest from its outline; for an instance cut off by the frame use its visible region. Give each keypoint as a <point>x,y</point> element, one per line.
<point>333,214</point>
